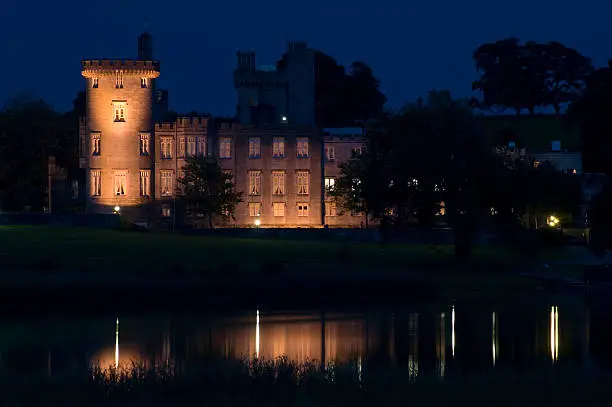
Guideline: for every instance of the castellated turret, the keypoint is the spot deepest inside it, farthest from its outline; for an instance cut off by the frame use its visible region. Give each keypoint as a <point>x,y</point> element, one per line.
<point>120,160</point>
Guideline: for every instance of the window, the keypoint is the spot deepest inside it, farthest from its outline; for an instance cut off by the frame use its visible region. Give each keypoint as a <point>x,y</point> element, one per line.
<point>330,182</point>
<point>74,189</point>
<point>119,108</point>
<point>201,146</point>
<point>191,146</point>
<point>145,182</point>
<point>166,212</point>
<point>143,83</point>
<point>96,182</point>
<point>121,182</point>
<point>278,147</point>
<point>278,182</point>
<point>330,209</point>
<point>254,209</point>
<point>254,182</point>
<point>302,182</point>
<point>278,209</point>
<point>144,144</point>
<point>225,147</point>
<point>119,80</point>
<point>95,144</point>
<point>254,147</point>
<point>94,83</point>
<point>166,182</point>
<point>357,150</point>
<point>302,209</point>
<point>302,147</point>
<point>180,147</point>
<point>166,147</point>
<point>330,152</point>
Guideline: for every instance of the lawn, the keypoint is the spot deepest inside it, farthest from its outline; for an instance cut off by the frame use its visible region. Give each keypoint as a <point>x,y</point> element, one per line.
<point>88,250</point>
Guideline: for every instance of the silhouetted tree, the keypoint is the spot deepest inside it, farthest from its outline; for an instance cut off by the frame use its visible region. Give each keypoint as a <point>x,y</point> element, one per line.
<point>206,190</point>
<point>525,76</point>
<point>592,112</point>
<point>30,132</point>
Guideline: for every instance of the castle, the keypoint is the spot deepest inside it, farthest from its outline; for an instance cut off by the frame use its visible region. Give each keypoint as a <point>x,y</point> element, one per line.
<point>279,158</point>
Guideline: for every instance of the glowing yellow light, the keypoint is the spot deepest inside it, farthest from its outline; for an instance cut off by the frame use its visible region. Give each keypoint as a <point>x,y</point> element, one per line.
<point>117,209</point>
<point>257,336</point>
<point>494,339</point>
<point>554,333</point>
<point>552,221</point>
<point>117,345</point>
<point>257,222</point>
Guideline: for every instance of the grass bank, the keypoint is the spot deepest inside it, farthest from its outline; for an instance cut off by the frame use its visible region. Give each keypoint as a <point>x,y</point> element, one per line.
<point>283,383</point>
<point>248,269</point>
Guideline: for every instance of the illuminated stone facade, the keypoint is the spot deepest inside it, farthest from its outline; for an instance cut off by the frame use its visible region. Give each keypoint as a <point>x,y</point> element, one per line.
<point>276,153</point>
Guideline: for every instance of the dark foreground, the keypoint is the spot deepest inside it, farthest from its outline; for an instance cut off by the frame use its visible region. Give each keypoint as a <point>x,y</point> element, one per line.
<point>285,384</point>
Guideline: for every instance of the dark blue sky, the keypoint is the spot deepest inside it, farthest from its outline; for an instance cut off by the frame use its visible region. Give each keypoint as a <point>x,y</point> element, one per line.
<point>412,47</point>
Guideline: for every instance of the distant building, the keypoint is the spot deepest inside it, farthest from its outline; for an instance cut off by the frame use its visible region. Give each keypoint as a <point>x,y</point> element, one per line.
<point>280,160</point>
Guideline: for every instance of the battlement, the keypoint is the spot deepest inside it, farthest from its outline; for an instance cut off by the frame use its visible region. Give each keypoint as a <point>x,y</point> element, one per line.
<point>97,67</point>
<point>198,123</point>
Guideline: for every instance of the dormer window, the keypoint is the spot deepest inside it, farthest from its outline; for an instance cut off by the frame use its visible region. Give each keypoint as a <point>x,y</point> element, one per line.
<point>143,83</point>
<point>94,83</point>
<point>119,108</point>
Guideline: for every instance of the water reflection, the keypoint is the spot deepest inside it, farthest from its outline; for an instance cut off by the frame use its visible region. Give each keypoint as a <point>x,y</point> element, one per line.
<point>428,341</point>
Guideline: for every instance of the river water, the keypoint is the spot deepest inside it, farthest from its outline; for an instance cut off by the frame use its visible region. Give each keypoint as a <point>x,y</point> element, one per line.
<point>427,340</point>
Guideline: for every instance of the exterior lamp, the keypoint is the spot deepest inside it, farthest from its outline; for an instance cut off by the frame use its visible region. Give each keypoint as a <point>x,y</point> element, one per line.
<point>257,222</point>
<point>552,221</point>
<point>116,209</point>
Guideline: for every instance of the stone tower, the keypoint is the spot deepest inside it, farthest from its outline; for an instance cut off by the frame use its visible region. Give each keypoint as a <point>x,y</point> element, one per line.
<point>119,135</point>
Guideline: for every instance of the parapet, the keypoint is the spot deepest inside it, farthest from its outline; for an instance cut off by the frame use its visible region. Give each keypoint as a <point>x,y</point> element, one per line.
<point>97,67</point>
<point>196,123</point>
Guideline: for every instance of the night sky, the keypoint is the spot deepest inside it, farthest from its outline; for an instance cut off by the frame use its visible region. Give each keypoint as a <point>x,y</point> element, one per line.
<point>412,47</point>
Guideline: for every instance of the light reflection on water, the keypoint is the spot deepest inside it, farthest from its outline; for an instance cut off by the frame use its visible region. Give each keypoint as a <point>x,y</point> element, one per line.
<point>431,341</point>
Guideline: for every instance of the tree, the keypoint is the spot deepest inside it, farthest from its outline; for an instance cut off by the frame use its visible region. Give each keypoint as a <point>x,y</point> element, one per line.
<point>206,190</point>
<point>526,76</point>
<point>591,110</point>
<point>30,132</point>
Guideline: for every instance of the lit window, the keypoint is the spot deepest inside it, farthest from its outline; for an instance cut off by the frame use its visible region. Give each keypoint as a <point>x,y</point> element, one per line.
<point>330,182</point>
<point>228,175</point>
<point>302,209</point>
<point>357,150</point>
<point>330,209</point>
<point>330,152</point>
<point>166,212</point>
<point>278,182</point>
<point>191,146</point>
<point>574,171</point>
<point>254,209</point>
<point>145,182</point>
<point>143,83</point>
<point>302,182</point>
<point>278,147</point>
<point>96,182</point>
<point>166,147</point>
<point>119,79</point>
<point>278,209</point>
<point>180,147</point>
<point>201,146</point>
<point>144,144</point>
<point>119,108</point>
<point>94,83</point>
<point>254,182</point>
<point>95,144</point>
<point>536,164</point>
<point>225,147</point>
<point>121,182</point>
<point>302,147</point>
<point>166,182</point>
<point>254,147</point>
